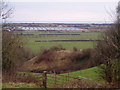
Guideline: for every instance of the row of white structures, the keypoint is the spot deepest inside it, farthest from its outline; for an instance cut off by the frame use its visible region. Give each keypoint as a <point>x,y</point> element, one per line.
<point>50,28</point>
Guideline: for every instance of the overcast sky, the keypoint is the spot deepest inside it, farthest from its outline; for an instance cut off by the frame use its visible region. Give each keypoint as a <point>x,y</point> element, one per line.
<point>63,0</point>
<point>63,10</point>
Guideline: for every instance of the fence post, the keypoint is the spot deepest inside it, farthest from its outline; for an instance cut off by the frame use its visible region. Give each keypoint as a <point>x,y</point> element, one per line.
<point>44,77</point>
<point>55,79</point>
<point>68,76</point>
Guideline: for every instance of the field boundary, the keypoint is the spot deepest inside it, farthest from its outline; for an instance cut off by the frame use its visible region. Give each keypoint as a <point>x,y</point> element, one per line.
<point>65,40</point>
<point>56,80</point>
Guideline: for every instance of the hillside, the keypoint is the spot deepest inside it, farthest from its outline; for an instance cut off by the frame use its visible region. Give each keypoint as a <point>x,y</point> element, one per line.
<point>59,61</point>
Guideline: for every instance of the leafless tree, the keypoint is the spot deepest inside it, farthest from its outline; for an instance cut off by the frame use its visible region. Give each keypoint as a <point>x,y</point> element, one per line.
<point>108,53</point>
<point>5,11</point>
<point>12,46</point>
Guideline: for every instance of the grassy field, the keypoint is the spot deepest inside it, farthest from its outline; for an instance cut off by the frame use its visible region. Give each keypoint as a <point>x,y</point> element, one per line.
<point>82,36</point>
<point>37,46</point>
<point>90,74</point>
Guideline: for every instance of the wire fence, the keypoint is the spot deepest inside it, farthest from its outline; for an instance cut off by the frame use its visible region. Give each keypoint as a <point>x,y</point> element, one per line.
<point>51,80</point>
<point>56,80</point>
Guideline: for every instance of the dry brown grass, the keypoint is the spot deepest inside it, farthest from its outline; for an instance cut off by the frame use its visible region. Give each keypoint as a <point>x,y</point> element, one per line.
<point>82,84</point>
<point>59,60</point>
<point>20,78</point>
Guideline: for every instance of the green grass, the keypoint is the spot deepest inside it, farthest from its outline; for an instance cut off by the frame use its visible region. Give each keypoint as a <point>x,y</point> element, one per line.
<point>90,73</point>
<point>54,32</point>
<point>37,46</point>
<point>82,36</point>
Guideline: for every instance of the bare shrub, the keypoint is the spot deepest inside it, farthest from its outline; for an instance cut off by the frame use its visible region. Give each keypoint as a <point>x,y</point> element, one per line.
<point>9,50</point>
<point>108,54</point>
<point>25,78</point>
<point>82,84</point>
<point>86,53</point>
<point>48,54</point>
<point>80,55</point>
<point>57,48</point>
<point>13,52</point>
<point>27,54</point>
<point>75,49</point>
<point>62,61</point>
